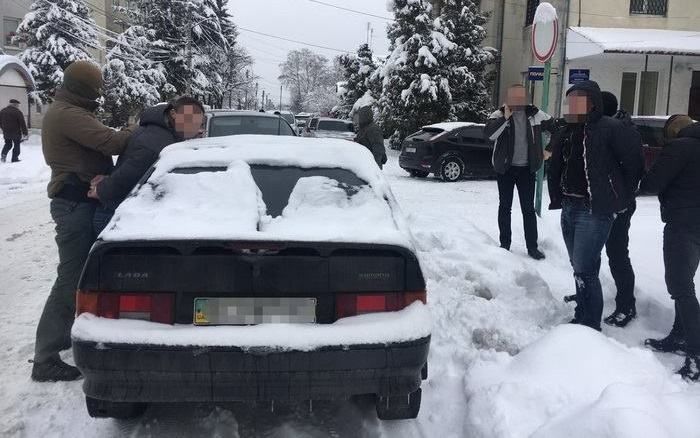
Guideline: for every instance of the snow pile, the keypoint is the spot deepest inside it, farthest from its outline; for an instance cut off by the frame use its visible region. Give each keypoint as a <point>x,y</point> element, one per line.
<point>31,168</point>
<point>320,207</point>
<point>575,382</point>
<point>545,13</point>
<point>451,126</point>
<point>229,205</point>
<point>206,205</point>
<point>408,324</point>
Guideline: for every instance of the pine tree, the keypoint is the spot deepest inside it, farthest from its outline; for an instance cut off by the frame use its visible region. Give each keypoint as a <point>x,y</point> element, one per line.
<point>415,86</point>
<point>57,33</point>
<point>132,77</point>
<point>462,22</point>
<point>357,71</point>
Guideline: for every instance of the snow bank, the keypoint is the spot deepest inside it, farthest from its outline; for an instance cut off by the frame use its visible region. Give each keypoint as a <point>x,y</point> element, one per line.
<point>409,324</point>
<point>31,168</point>
<point>576,382</point>
<point>545,13</point>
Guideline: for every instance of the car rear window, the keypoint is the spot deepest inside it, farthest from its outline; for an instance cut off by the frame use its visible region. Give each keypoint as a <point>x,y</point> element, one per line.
<point>276,183</point>
<point>234,125</point>
<point>425,134</point>
<point>335,125</point>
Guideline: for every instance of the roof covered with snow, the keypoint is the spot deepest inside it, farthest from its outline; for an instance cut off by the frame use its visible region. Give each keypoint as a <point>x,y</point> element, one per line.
<point>228,204</point>
<point>9,61</point>
<point>591,41</point>
<point>450,126</point>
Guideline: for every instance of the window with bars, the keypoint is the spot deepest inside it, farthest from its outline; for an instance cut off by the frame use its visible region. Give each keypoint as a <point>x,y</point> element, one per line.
<point>648,7</point>
<point>530,11</point>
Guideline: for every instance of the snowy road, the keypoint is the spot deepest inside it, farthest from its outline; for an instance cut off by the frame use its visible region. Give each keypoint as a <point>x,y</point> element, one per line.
<point>487,378</point>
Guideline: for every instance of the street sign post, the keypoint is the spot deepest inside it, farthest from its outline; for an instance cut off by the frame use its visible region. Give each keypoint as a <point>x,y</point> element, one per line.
<point>545,35</point>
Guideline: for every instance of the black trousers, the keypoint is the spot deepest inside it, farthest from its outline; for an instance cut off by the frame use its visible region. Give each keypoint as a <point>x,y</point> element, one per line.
<point>9,142</point>
<point>617,248</point>
<point>681,258</point>
<point>524,180</point>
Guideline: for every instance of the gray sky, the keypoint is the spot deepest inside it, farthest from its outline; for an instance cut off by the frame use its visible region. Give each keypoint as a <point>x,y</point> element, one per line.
<point>306,21</point>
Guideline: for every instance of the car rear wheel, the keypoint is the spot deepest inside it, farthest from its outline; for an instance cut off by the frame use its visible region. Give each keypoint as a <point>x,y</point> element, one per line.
<point>418,173</point>
<point>107,409</point>
<point>451,169</point>
<point>403,407</point>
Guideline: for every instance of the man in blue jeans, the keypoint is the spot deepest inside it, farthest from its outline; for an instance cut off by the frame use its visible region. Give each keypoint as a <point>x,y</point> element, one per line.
<point>593,175</point>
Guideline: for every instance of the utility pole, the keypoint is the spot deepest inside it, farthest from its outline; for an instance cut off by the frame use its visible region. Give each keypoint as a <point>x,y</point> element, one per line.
<point>263,100</point>
<point>256,95</point>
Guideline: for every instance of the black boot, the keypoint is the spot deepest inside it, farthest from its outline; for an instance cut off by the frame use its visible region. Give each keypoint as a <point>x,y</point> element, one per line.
<point>535,254</point>
<point>620,318</point>
<point>672,343</point>
<point>54,370</point>
<point>691,370</point>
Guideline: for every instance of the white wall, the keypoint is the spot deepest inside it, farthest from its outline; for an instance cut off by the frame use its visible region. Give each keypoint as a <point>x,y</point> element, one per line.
<point>607,70</point>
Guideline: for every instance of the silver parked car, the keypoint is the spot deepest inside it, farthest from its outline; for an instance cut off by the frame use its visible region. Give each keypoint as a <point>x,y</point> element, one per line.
<point>334,128</point>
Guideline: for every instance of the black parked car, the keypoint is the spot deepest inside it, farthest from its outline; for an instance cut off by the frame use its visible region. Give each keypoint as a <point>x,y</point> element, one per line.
<point>228,275</point>
<point>451,151</point>
<point>237,122</point>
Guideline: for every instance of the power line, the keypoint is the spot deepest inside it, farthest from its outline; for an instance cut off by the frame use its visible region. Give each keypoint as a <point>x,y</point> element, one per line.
<point>352,10</point>
<point>293,41</point>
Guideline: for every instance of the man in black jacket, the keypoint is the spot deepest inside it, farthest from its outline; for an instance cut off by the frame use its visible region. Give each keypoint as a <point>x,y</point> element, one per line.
<point>517,156</point>
<point>13,129</point>
<point>617,246</point>
<point>675,176</point>
<point>593,175</point>
<point>160,126</point>
<point>369,135</point>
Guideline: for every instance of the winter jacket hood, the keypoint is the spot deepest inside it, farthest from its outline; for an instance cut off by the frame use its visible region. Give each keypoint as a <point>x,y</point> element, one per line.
<point>692,131</point>
<point>153,134</point>
<point>76,145</point>
<point>365,117</point>
<point>592,90</point>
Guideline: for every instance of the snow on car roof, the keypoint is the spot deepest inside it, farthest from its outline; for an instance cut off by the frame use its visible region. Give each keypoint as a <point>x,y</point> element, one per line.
<point>449,126</point>
<point>228,205</point>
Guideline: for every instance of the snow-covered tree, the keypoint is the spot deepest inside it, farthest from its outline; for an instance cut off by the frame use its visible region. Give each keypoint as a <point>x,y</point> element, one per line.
<point>462,22</point>
<point>310,80</point>
<point>357,70</point>
<point>415,82</point>
<point>132,77</point>
<point>56,33</point>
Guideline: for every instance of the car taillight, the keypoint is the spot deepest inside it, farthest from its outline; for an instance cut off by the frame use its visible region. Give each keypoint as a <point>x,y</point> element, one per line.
<point>156,307</point>
<point>358,304</point>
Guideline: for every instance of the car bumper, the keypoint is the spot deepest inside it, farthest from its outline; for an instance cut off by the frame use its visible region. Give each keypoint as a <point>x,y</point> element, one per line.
<point>151,373</point>
<point>414,162</point>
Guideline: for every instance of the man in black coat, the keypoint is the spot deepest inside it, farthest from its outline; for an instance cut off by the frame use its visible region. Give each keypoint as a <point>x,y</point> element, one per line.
<point>13,129</point>
<point>675,176</point>
<point>369,135</point>
<point>593,175</point>
<point>617,246</point>
<point>517,156</point>
<point>160,126</point>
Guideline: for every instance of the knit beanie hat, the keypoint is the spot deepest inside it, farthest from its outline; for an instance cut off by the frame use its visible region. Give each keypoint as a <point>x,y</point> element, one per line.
<point>84,79</point>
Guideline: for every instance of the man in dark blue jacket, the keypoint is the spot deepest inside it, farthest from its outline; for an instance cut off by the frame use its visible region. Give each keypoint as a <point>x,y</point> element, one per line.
<point>593,175</point>
<point>675,176</point>
<point>160,126</point>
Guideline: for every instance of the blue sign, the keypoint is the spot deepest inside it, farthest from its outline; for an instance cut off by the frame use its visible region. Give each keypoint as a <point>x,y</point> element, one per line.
<point>535,73</point>
<point>579,74</point>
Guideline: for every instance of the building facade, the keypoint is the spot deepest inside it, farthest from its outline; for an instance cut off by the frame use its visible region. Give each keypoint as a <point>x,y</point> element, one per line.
<point>651,72</point>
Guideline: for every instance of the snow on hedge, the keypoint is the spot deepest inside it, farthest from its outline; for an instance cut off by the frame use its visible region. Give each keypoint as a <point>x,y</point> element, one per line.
<point>409,324</point>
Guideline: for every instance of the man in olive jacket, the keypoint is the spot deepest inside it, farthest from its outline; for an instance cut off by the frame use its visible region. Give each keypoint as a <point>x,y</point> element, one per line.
<point>369,135</point>
<point>77,147</point>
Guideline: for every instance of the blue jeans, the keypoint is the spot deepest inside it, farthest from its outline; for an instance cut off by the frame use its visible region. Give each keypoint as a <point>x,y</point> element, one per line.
<point>585,234</point>
<point>101,219</point>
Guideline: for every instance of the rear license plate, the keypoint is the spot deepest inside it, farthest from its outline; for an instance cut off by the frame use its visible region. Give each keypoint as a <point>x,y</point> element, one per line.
<point>411,150</point>
<point>245,311</point>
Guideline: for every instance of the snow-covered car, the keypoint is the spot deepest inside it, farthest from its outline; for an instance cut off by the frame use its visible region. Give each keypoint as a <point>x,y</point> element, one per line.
<point>451,151</point>
<point>238,122</point>
<point>334,128</point>
<point>254,268</point>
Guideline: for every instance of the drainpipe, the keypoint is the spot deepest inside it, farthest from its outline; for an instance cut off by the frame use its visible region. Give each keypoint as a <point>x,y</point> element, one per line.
<point>500,31</point>
<point>562,63</point>
<point>670,78</point>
